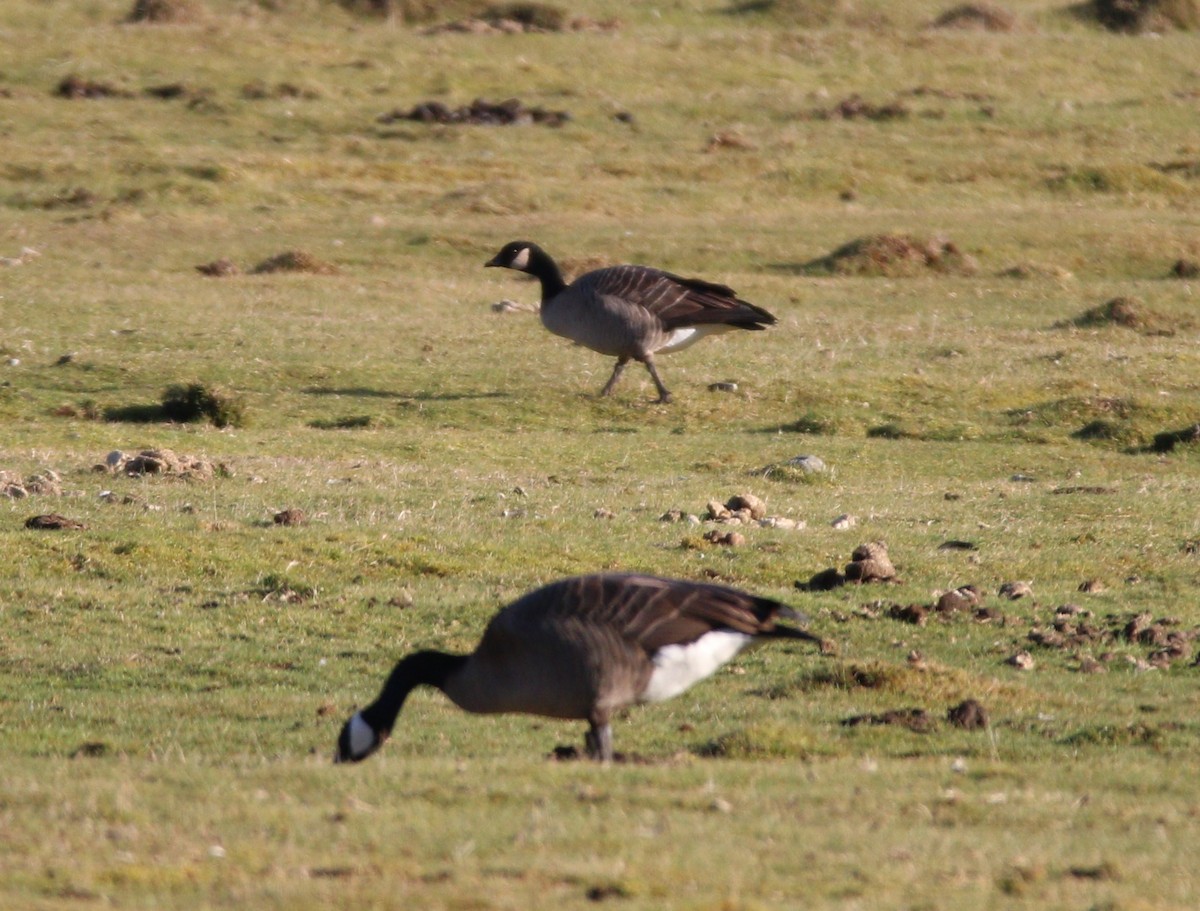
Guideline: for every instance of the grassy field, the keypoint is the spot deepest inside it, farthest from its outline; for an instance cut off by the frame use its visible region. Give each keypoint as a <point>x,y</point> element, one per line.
<point>173,674</point>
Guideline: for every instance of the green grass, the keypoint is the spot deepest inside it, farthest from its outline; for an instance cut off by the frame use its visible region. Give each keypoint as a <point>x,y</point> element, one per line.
<point>173,676</point>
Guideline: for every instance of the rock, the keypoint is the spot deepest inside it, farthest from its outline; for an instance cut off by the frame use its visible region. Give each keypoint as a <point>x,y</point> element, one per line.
<point>725,539</point>
<point>1022,661</point>
<point>870,563</point>
<point>809,464</point>
<point>844,521</point>
<point>507,306</point>
<point>781,522</point>
<point>962,598</point>
<point>747,501</point>
<point>716,510</point>
<point>1015,590</point>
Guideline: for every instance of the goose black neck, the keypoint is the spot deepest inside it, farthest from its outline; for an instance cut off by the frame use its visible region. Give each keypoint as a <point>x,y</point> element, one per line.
<point>424,668</point>
<point>546,271</point>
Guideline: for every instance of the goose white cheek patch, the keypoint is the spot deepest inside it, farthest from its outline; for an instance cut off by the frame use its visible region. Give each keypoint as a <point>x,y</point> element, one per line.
<point>677,667</point>
<point>362,738</point>
<point>521,260</point>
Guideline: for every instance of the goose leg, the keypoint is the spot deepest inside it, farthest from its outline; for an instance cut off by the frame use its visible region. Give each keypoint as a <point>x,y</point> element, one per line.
<point>616,375</point>
<point>599,741</point>
<point>663,395</point>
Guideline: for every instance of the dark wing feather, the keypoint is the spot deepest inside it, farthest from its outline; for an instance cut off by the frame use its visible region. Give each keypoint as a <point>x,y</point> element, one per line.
<point>677,301</point>
<point>654,612</point>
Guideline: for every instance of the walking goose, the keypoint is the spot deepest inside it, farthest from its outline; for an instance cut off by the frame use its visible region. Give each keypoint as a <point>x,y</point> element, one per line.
<point>631,312</point>
<point>583,647</point>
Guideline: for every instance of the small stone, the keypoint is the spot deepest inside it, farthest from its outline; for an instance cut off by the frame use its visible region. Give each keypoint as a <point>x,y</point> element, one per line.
<point>1022,661</point>
<point>726,386</point>
<point>716,510</point>
<point>844,521</point>
<point>603,513</point>
<point>1015,590</point>
<point>508,306</point>
<point>1091,586</point>
<point>962,598</point>
<point>726,539</point>
<point>780,522</point>
<point>809,464</point>
<point>747,501</point>
<point>114,458</point>
<point>1089,665</point>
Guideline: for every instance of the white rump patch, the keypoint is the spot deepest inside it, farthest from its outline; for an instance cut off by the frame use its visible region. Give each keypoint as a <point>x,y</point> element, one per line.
<point>677,667</point>
<point>521,260</point>
<point>689,335</point>
<point>362,737</point>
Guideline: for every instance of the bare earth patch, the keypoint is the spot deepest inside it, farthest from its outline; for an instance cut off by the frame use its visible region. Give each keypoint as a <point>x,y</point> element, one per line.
<point>478,113</point>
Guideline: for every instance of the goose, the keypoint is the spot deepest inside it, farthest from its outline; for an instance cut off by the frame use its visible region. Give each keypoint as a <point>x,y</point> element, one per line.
<point>582,648</point>
<point>631,312</point>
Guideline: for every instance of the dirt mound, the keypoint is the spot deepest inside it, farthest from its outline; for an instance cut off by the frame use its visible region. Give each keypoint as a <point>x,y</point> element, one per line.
<point>295,261</point>
<point>53,522</point>
<point>46,483</point>
<point>1138,16</point>
<point>855,107</point>
<point>982,16</point>
<point>219,268</point>
<point>74,87</point>
<point>164,462</point>
<point>1128,312</point>
<point>894,256</point>
<point>479,113</point>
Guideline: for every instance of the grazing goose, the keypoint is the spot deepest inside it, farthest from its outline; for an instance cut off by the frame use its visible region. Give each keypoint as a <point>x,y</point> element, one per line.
<point>631,312</point>
<point>584,647</point>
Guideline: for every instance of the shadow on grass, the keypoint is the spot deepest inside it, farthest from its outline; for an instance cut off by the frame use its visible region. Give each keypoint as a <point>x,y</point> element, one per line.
<point>136,414</point>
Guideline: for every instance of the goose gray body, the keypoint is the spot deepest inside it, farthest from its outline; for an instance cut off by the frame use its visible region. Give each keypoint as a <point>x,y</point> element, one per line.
<point>582,648</point>
<point>631,312</point>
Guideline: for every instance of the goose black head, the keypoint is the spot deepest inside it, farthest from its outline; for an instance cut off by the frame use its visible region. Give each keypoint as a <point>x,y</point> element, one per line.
<point>358,740</point>
<point>516,255</point>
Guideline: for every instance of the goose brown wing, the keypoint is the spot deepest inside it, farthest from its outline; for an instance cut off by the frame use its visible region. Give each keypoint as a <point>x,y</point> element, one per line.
<point>675,300</point>
<point>655,612</point>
